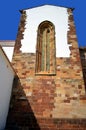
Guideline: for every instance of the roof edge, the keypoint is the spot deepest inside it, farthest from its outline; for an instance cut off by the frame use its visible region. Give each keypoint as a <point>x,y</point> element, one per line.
<point>21,11</point>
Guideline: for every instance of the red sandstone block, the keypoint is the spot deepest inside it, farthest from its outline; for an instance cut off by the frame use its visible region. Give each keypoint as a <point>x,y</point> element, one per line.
<point>66,101</point>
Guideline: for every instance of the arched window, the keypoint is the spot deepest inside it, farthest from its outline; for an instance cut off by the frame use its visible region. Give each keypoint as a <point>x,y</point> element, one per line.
<point>45,49</point>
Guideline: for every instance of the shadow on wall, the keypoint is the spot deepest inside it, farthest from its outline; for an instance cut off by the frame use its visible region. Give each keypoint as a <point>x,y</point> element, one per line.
<point>20,113</point>
<point>84,75</point>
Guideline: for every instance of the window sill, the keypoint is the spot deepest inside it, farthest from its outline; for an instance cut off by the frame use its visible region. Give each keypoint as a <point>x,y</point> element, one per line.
<point>45,73</point>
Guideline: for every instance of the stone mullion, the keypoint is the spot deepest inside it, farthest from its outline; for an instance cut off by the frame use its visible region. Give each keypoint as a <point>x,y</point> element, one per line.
<point>52,60</point>
<point>45,45</point>
<point>51,52</point>
<point>37,62</point>
<point>40,52</point>
<point>48,52</point>
<point>54,53</point>
<point>43,52</point>
<point>38,58</point>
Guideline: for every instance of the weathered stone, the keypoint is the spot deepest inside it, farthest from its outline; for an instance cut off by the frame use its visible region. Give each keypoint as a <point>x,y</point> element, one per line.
<point>48,102</point>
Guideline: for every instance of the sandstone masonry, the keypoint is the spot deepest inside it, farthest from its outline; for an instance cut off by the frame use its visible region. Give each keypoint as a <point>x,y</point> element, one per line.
<point>48,102</point>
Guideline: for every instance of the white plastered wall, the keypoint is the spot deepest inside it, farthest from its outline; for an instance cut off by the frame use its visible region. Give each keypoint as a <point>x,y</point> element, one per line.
<point>6,81</point>
<point>9,52</point>
<point>58,16</point>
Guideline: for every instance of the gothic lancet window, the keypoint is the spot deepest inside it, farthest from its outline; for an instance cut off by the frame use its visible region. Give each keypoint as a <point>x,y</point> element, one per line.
<point>45,49</point>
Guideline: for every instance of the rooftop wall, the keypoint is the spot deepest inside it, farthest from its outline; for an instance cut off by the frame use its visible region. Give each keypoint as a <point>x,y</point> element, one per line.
<point>6,82</point>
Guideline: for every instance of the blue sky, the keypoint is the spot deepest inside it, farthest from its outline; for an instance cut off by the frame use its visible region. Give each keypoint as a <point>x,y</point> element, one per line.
<point>10,16</point>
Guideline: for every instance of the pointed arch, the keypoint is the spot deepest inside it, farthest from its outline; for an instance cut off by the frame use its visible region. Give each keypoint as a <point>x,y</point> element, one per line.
<point>46,48</point>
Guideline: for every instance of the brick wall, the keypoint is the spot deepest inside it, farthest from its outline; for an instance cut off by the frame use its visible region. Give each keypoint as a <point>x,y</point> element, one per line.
<point>48,102</point>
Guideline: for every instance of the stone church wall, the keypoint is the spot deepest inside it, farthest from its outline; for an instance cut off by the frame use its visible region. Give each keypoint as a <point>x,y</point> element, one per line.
<point>48,102</point>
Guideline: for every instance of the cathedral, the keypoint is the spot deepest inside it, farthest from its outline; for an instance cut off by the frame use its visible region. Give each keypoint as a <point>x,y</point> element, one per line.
<point>48,91</point>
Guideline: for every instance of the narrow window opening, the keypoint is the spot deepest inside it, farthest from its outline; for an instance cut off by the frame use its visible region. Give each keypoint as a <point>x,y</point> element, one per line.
<point>45,49</point>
